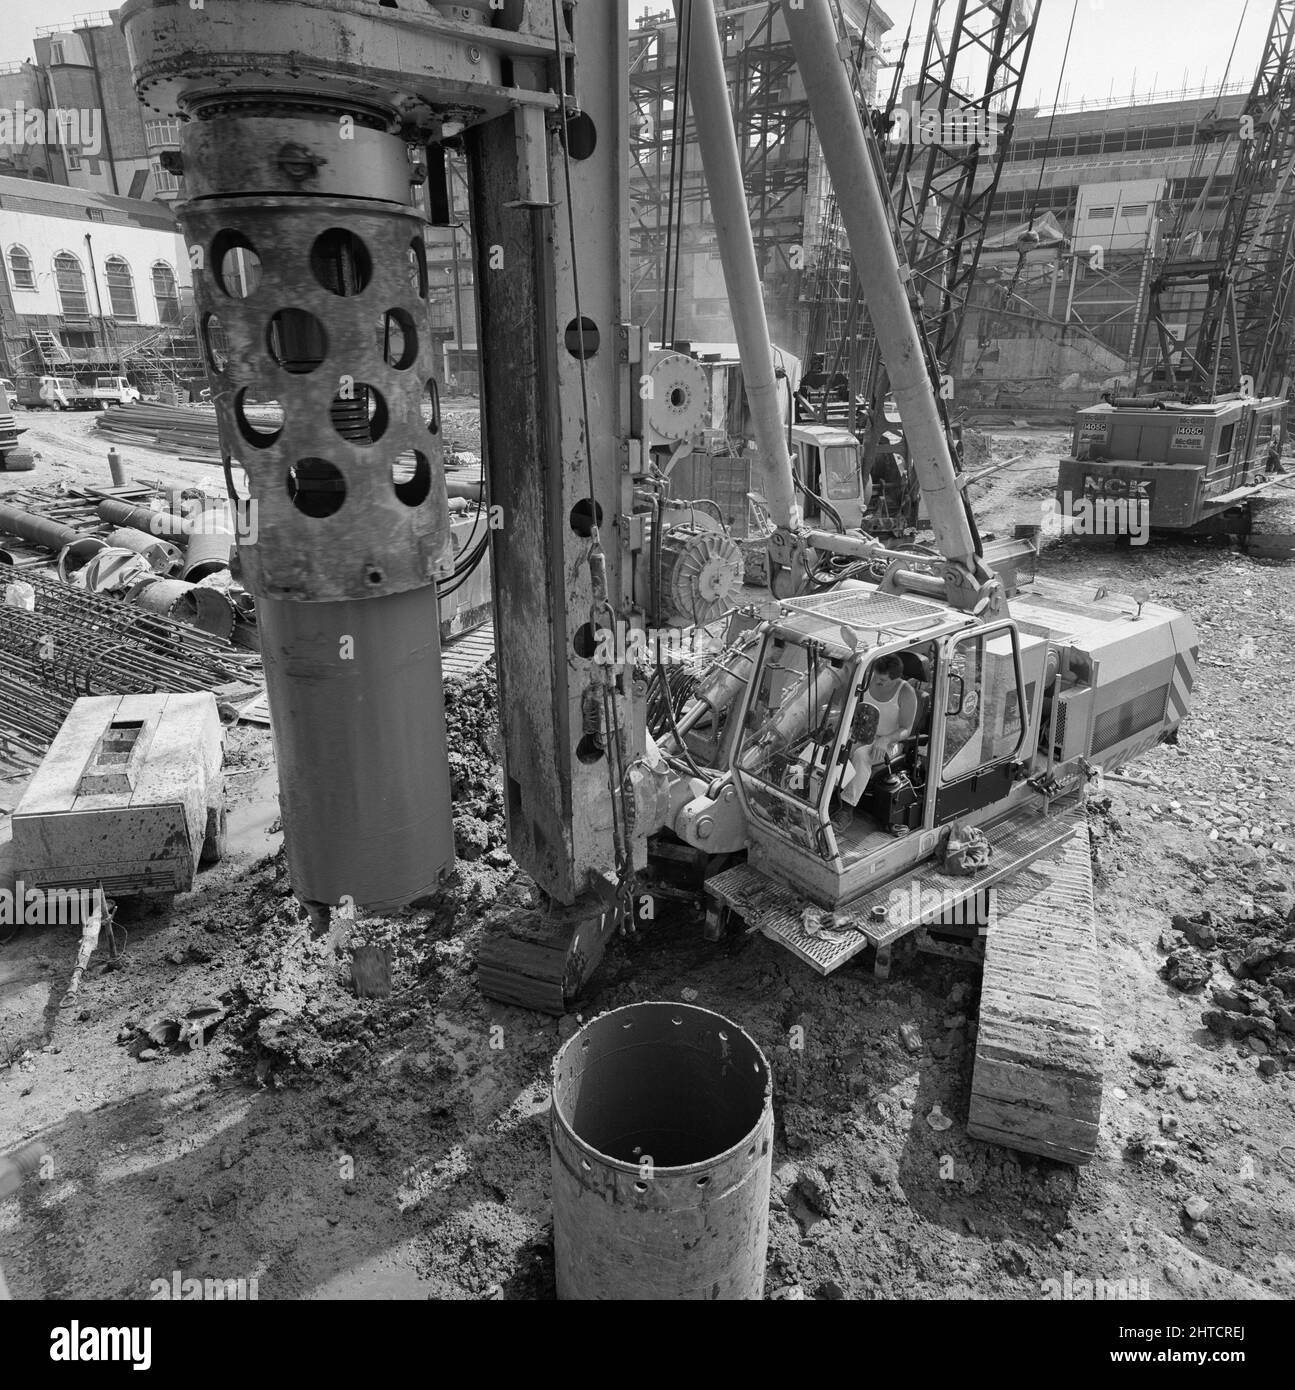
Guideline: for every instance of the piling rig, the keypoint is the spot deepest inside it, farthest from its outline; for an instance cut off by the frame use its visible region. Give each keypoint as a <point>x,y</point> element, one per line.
<point>305,127</point>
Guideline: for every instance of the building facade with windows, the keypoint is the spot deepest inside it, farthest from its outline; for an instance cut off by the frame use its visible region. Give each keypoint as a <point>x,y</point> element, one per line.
<point>89,281</point>
<point>1125,184</point>
<point>83,66</point>
<point>21,90</point>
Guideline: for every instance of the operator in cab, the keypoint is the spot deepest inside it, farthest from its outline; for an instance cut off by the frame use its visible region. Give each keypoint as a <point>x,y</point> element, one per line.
<point>895,701</point>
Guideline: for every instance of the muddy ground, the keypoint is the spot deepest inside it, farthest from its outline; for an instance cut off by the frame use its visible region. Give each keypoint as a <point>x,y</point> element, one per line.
<point>328,1146</point>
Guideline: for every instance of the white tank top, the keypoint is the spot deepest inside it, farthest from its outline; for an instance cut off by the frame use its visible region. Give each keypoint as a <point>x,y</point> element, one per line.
<point>889,721</point>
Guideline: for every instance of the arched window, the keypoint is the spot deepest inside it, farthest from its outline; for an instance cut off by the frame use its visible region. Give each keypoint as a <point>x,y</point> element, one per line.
<point>166,294</point>
<point>21,270</point>
<point>70,279</point>
<point>121,288</point>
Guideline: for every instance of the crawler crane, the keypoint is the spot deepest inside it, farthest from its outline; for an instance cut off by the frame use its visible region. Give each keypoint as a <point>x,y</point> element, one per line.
<point>305,126</point>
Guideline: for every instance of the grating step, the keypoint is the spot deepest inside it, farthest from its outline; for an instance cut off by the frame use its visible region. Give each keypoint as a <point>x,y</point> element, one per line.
<point>469,653</point>
<point>906,904</point>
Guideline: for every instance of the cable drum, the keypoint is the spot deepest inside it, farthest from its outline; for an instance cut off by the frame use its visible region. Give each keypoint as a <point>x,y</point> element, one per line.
<point>701,572</point>
<point>676,409</point>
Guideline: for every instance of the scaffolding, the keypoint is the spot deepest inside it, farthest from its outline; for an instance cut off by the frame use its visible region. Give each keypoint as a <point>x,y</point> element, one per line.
<point>957,125</point>
<point>795,237</point>
<point>1238,336</point>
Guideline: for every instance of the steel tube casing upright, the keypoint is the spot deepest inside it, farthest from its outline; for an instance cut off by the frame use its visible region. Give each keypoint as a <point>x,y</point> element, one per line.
<point>310,282</point>
<point>662,1141</point>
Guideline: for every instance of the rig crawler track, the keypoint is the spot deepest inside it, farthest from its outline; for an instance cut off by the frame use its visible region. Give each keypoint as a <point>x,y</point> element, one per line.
<point>1037,1083</point>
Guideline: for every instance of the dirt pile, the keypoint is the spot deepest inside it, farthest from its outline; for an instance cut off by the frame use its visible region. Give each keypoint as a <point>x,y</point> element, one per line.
<point>1251,960</point>
<point>475,760</point>
<point>290,1007</point>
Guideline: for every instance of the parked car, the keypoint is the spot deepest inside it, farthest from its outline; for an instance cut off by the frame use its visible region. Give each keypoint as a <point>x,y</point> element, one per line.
<point>114,390</point>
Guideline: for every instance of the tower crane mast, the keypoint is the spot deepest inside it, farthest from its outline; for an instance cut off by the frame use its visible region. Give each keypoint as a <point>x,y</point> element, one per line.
<point>946,175</point>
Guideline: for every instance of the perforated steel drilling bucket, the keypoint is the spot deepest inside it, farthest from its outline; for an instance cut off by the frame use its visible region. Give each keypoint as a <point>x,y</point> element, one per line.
<point>662,1141</point>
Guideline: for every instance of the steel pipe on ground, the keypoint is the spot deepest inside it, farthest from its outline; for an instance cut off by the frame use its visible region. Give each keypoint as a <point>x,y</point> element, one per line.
<point>163,556</point>
<point>206,609</point>
<point>661,1130</point>
<point>209,548</point>
<point>208,541</point>
<point>52,535</point>
<point>152,522</point>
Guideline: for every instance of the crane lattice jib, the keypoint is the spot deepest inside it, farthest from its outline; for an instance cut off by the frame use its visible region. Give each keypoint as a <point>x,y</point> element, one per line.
<point>943,217</point>
<point>1257,242</point>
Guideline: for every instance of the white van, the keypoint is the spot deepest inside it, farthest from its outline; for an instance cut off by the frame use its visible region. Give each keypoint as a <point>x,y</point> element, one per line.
<point>114,390</point>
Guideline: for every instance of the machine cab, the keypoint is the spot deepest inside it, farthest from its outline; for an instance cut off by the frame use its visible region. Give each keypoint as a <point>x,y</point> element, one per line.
<point>872,721</point>
<point>828,464</point>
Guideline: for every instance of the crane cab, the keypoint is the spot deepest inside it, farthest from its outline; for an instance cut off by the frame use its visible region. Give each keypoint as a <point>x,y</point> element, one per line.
<point>828,463</point>
<point>871,721</point>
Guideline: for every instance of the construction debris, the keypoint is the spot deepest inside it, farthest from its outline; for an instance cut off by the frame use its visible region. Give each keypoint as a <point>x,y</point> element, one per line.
<point>91,931</point>
<point>128,801</point>
<point>186,430</point>
<point>192,1030</point>
<point>74,643</point>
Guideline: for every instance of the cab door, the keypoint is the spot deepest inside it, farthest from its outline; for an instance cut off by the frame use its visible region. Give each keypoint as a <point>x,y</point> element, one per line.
<point>809,475</point>
<point>980,727</point>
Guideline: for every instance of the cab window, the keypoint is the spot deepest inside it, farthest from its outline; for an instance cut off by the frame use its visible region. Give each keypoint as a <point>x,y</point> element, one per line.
<point>842,470</point>
<point>985,708</point>
<point>795,718</point>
